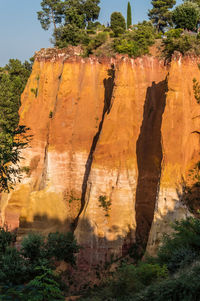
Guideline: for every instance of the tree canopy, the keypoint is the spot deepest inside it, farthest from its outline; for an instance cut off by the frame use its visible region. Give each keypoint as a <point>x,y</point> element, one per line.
<point>117,23</point>
<point>52,13</point>
<point>186,16</point>
<point>74,12</point>
<point>13,138</point>
<point>160,14</point>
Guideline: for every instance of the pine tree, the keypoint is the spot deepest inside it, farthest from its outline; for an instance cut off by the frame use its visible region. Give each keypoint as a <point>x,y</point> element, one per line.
<point>160,14</point>
<point>129,15</point>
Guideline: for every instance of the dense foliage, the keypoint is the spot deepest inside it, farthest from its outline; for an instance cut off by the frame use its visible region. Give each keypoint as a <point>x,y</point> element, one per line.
<point>160,14</point>
<point>30,270</point>
<point>72,16</point>
<point>13,138</point>
<point>117,23</point>
<point>172,275</point>
<point>186,16</point>
<point>176,40</point>
<point>136,42</point>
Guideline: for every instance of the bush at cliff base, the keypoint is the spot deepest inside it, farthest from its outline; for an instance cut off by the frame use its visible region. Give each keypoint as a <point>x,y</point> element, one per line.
<point>171,276</point>
<point>29,273</point>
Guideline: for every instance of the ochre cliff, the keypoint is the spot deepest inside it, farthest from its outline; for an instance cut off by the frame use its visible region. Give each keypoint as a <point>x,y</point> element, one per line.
<point>113,141</point>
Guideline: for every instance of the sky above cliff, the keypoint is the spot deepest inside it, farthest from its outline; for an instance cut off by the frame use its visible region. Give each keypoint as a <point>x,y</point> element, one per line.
<point>21,33</point>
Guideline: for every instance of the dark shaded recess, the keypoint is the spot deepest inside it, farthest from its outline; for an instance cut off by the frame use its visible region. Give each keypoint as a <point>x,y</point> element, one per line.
<point>109,84</point>
<point>149,159</point>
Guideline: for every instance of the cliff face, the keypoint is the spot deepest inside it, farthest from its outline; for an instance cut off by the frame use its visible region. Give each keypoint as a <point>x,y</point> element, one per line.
<point>113,140</point>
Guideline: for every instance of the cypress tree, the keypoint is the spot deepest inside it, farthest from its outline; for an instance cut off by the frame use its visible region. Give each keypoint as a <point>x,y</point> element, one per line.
<point>129,15</point>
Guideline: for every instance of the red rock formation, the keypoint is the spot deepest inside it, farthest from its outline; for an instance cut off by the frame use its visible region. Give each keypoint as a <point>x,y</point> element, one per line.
<point>112,141</point>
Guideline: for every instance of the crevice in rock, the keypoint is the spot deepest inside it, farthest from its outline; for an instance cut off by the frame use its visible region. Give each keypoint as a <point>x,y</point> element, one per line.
<point>149,159</point>
<point>109,84</point>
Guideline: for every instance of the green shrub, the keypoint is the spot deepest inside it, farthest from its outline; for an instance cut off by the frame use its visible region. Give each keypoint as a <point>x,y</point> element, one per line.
<point>50,114</point>
<point>183,246</point>
<point>176,40</point>
<point>130,279</point>
<point>62,246</point>
<point>196,90</point>
<point>70,35</point>
<point>117,23</point>
<point>93,25</point>
<point>105,204</point>
<point>136,42</point>
<point>127,46</point>
<point>184,287</point>
<point>14,268</point>
<point>42,287</point>
<point>33,247</point>
<point>35,91</point>
<point>6,239</point>
<point>96,42</point>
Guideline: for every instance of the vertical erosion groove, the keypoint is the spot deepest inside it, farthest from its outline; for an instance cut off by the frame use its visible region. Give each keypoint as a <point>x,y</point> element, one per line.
<point>109,84</point>
<point>149,159</point>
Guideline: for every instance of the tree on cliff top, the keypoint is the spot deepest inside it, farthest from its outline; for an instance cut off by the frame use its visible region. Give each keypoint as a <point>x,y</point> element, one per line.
<point>160,14</point>
<point>117,23</point>
<point>52,13</point>
<point>129,15</point>
<point>186,16</point>
<point>74,12</point>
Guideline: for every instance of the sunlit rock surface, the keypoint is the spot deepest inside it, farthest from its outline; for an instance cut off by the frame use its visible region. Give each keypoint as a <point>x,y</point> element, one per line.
<point>113,141</point>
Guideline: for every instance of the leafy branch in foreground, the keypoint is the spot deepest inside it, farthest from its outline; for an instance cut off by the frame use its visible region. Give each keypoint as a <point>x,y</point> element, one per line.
<point>13,138</point>
<point>11,146</point>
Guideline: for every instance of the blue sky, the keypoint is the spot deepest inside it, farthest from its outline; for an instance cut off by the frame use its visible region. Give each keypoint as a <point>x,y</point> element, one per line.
<point>21,34</point>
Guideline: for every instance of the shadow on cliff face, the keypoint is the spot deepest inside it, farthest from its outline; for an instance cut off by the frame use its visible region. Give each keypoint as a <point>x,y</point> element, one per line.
<point>149,159</point>
<point>109,84</point>
<point>96,249</point>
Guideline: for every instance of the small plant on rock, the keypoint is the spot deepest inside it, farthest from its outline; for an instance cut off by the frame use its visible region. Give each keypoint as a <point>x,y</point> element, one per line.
<point>105,204</point>
<point>35,92</point>
<point>196,89</point>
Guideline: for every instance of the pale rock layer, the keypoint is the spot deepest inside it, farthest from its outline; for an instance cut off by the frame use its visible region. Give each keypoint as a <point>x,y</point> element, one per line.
<point>125,135</point>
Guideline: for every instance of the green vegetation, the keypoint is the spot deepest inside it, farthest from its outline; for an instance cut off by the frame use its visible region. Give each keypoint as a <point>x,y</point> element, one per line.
<point>129,16</point>
<point>172,275</point>
<point>136,42</point>
<point>184,43</point>
<point>35,91</point>
<point>160,14</point>
<point>13,138</point>
<point>29,273</point>
<point>74,24</point>
<point>52,12</point>
<point>105,204</point>
<point>186,16</point>
<point>196,90</point>
<point>117,23</point>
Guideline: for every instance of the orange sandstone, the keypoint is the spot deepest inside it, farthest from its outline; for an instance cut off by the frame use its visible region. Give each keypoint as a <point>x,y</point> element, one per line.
<point>119,129</point>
